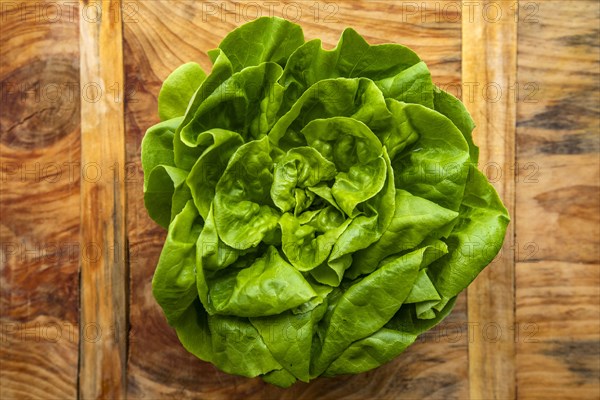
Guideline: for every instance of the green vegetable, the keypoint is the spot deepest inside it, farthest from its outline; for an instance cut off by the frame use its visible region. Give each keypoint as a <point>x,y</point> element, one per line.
<point>323,207</point>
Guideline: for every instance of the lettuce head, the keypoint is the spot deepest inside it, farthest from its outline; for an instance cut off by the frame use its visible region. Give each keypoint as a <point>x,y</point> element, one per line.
<point>323,207</point>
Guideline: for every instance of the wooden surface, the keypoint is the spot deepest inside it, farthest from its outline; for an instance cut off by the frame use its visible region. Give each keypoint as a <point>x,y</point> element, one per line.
<point>39,207</point>
<point>102,360</point>
<point>558,204</point>
<point>491,298</point>
<point>546,122</point>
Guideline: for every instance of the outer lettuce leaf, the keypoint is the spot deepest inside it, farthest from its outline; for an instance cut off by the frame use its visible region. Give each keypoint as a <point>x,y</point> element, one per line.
<point>213,254</point>
<point>178,89</point>
<point>456,111</point>
<point>157,147</point>
<point>267,287</point>
<point>475,240</point>
<point>357,98</point>
<point>279,377</point>
<point>437,165</point>
<point>414,220</point>
<point>219,146</point>
<point>396,69</point>
<point>423,290</point>
<point>193,332</point>
<point>266,39</point>
<point>166,194</point>
<point>161,178</point>
<point>368,305</point>
<point>365,354</point>
<point>412,85</point>
<point>174,282</point>
<point>243,103</point>
<point>186,154</point>
<point>238,348</point>
<point>385,344</point>
<point>289,337</point>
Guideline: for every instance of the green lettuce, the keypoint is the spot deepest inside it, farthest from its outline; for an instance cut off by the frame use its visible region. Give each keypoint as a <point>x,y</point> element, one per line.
<point>323,208</point>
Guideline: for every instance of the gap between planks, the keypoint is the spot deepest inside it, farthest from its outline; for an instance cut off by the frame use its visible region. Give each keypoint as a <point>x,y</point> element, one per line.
<point>103,274</point>
<point>489,56</point>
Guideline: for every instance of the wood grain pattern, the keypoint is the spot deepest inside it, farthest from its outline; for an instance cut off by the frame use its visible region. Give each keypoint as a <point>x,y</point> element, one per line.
<point>558,203</point>
<point>564,341</point>
<point>103,278</point>
<point>489,50</point>
<point>70,154</point>
<point>39,191</point>
<point>171,33</point>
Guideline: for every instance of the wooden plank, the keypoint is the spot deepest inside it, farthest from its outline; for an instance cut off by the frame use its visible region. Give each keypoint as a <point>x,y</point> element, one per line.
<point>558,131</point>
<point>102,372</point>
<point>39,204</point>
<point>170,33</point>
<point>489,43</point>
<point>558,278</point>
<point>559,350</point>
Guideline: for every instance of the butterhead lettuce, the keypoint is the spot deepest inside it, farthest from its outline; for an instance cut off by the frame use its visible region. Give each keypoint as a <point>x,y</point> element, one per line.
<point>323,207</point>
